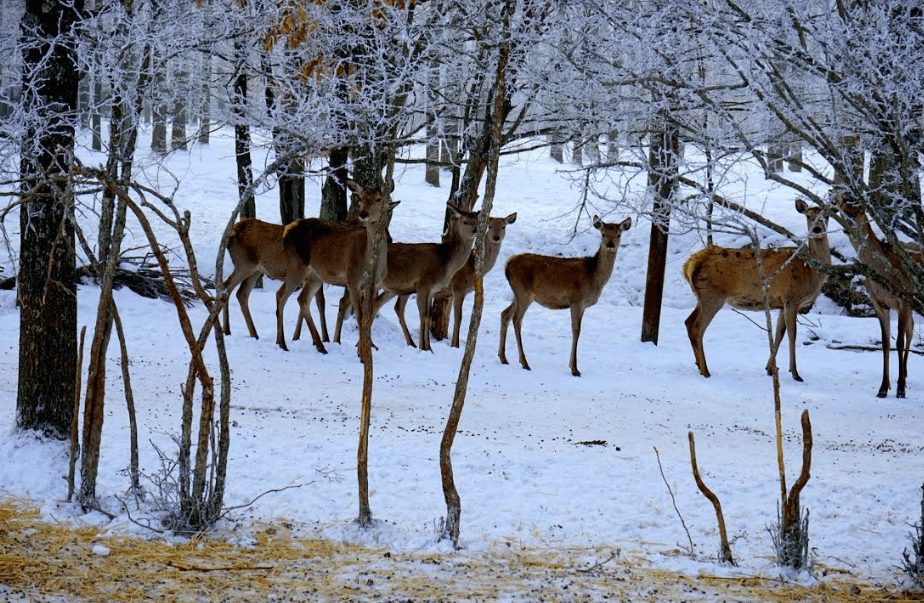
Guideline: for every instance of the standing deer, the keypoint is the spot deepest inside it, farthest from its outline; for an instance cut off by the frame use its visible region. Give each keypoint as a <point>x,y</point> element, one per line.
<point>255,248</point>
<point>560,283</point>
<point>719,274</point>
<point>424,269</point>
<point>464,279</point>
<point>884,260</point>
<point>318,252</point>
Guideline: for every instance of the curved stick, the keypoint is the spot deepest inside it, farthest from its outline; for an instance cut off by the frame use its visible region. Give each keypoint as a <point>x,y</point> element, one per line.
<point>726,553</point>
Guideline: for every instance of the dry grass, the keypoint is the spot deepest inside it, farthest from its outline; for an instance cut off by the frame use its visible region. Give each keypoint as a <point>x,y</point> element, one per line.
<point>41,560</point>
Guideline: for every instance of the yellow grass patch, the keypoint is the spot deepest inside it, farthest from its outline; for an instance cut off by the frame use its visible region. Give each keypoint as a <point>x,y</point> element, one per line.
<point>40,560</point>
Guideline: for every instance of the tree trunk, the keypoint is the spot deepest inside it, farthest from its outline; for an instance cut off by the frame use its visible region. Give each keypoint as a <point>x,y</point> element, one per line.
<point>432,173</point>
<point>159,109</point>
<point>242,132</point>
<point>333,193</point>
<point>205,103</point>
<point>96,119</point>
<point>181,91</point>
<point>662,180</point>
<point>494,135</point>
<point>556,148</point>
<point>292,191</point>
<point>47,277</point>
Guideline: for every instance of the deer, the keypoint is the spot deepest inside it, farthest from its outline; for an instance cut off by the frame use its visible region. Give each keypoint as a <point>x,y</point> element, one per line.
<point>720,275</point>
<point>255,248</point>
<point>880,256</point>
<point>424,269</point>
<point>464,279</point>
<point>318,252</point>
<point>558,283</point>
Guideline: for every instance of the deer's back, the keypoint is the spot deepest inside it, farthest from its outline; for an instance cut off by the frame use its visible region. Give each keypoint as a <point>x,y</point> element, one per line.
<point>256,244</point>
<point>552,281</point>
<point>412,264</point>
<point>332,250</point>
<point>734,275</point>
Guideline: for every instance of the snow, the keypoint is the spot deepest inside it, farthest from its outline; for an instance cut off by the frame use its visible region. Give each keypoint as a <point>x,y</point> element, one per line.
<point>525,461</point>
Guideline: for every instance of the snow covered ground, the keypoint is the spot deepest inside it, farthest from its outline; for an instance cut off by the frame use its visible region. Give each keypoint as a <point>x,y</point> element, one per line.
<point>523,465</point>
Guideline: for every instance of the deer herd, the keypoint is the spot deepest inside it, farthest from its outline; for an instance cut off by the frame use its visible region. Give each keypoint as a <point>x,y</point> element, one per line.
<point>311,252</point>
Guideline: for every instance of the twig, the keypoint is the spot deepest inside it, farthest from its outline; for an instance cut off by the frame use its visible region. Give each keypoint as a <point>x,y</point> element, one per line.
<point>228,568</point>
<point>599,564</point>
<point>865,348</point>
<point>674,501</point>
<point>720,518</point>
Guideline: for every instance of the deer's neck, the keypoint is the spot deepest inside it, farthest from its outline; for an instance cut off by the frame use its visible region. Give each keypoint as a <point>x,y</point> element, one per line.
<point>820,249</point>
<point>601,266</point>
<point>863,239</point>
<point>456,252</point>
<point>491,251</point>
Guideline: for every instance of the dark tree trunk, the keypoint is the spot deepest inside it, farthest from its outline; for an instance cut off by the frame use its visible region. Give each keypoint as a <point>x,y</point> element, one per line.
<point>242,133</point>
<point>180,109</point>
<point>662,179</point>
<point>96,119</point>
<point>159,109</point>
<point>333,193</point>
<point>205,103</point>
<point>432,174</point>
<point>292,191</point>
<point>47,277</point>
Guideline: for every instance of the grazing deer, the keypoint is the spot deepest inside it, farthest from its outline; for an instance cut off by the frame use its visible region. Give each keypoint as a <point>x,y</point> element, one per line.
<point>719,274</point>
<point>560,283</point>
<point>464,279</point>
<point>318,251</point>
<point>424,269</point>
<point>255,248</point>
<point>884,260</point>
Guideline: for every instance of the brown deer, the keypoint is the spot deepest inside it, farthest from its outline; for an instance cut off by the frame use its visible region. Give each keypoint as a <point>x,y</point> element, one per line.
<point>464,279</point>
<point>719,274</point>
<point>424,269</point>
<point>884,260</point>
<point>255,248</point>
<point>560,283</point>
<point>318,251</point>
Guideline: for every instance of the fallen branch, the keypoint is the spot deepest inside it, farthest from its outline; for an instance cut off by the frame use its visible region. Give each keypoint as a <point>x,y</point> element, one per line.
<point>228,568</point>
<point>865,348</point>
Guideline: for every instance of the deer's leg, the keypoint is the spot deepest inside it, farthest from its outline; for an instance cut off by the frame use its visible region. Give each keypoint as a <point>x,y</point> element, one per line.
<point>342,308</point>
<point>233,280</point>
<point>791,313</point>
<point>293,279</point>
<point>320,303</point>
<point>399,310</point>
<point>505,320</point>
<point>882,313</point>
<point>243,298</point>
<point>458,298</point>
<point>903,346</point>
<point>423,308</point>
<point>309,290</point>
<point>577,314</point>
<point>517,324</point>
<point>696,323</point>
<point>777,339</point>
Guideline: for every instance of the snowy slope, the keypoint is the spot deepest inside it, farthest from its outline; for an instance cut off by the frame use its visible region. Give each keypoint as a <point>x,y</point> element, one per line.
<point>521,468</point>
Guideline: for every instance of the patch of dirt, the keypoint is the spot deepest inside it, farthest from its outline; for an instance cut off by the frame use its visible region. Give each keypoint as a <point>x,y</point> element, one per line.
<point>40,561</point>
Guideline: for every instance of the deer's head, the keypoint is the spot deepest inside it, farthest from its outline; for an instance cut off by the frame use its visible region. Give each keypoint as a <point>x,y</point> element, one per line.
<point>372,205</point>
<point>611,232</point>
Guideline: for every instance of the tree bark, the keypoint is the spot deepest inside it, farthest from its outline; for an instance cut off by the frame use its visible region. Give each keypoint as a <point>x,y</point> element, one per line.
<point>242,132</point>
<point>662,179</point>
<point>47,290</point>
<point>333,193</point>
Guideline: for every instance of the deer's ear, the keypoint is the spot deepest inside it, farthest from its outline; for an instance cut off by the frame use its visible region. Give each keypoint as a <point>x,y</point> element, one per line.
<point>455,211</point>
<point>393,204</point>
<point>801,206</point>
<point>598,223</point>
<point>353,185</point>
<point>626,224</point>
<point>511,218</point>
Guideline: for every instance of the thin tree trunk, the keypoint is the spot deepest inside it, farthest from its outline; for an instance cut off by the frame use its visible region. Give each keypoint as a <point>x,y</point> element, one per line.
<point>242,133</point>
<point>75,430</point>
<point>452,525</point>
<point>180,108</point>
<point>724,548</point>
<point>96,140</point>
<point>205,103</point>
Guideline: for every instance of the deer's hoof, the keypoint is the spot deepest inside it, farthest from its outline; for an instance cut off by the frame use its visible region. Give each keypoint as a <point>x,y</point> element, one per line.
<point>797,378</point>
<point>882,394</point>
<point>322,349</point>
<point>576,373</point>
<point>525,366</point>
<point>899,394</point>
<point>503,360</point>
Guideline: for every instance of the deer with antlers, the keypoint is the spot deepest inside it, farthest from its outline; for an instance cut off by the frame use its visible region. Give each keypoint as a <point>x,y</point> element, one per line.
<point>255,248</point>
<point>559,283</point>
<point>750,279</point>
<point>424,269</point>
<point>318,252</point>
<point>884,260</point>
